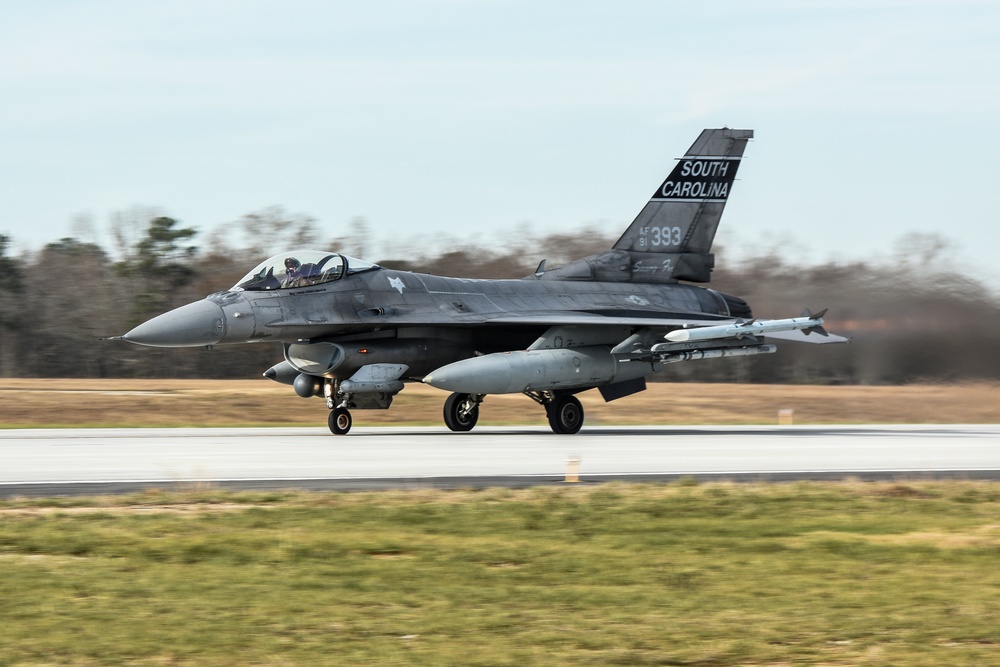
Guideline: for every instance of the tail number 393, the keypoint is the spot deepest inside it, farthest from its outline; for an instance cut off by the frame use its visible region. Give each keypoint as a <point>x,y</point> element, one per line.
<point>661,236</point>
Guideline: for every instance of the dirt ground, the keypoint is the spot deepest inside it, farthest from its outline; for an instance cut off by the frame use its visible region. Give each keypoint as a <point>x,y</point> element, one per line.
<point>70,402</point>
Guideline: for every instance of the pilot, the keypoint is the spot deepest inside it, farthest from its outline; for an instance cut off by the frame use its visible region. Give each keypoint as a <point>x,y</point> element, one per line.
<point>293,275</point>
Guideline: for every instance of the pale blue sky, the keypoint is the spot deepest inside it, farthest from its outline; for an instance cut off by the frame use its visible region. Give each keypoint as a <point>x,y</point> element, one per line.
<point>463,120</point>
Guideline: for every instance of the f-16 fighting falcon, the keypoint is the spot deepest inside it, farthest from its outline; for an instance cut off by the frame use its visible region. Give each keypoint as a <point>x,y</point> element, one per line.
<point>355,333</point>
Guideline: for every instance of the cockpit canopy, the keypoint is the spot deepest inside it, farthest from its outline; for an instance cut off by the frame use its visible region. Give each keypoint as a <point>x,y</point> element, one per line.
<point>300,268</point>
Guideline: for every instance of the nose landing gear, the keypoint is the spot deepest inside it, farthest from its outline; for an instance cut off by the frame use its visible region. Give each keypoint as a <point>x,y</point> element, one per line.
<point>340,421</point>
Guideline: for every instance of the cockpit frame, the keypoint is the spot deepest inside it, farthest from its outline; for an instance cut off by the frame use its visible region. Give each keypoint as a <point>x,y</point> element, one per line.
<point>300,268</point>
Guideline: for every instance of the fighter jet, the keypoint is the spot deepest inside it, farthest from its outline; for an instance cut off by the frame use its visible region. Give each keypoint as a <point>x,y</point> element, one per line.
<point>355,333</point>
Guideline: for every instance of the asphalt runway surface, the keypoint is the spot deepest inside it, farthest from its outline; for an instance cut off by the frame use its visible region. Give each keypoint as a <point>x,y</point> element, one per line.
<point>49,462</point>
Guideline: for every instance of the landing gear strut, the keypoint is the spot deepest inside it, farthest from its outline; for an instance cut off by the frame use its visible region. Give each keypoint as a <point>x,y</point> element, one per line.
<point>461,411</point>
<point>340,421</point>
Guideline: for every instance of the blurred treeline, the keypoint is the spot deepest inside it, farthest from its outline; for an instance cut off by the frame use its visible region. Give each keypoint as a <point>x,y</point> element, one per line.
<point>914,315</point>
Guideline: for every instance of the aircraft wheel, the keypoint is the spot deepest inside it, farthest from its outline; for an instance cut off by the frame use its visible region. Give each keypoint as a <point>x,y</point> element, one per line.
<point>565,414</point>
<point>340,421</point>
<point>461,412</point>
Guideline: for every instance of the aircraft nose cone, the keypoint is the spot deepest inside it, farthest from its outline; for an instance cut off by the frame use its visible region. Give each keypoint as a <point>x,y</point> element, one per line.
<point>196,324</point>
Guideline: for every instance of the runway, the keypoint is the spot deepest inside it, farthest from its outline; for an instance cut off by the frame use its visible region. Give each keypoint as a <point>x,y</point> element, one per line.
<point>44,462</point>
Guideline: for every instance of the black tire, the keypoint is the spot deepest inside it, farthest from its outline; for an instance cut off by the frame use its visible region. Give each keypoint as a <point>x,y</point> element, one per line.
<point>565,414</point>
<point>340,421</point>
<point>460,412</point>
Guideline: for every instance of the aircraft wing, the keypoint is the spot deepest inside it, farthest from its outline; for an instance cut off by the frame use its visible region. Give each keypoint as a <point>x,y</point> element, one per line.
<point>801,337</point>
<point>807,329</point>
<point>581,318</point>
<point>800,330</point>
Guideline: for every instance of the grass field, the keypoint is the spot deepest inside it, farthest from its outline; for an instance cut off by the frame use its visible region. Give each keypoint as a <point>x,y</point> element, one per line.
<point>63,402</point>
<point>681,574</point>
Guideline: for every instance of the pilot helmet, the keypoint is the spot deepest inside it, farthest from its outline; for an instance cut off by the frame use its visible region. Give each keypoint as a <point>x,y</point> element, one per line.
<point>292,264</point>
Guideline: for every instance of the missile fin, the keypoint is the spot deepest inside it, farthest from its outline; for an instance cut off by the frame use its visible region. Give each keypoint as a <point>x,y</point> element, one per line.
<point>819,327</point>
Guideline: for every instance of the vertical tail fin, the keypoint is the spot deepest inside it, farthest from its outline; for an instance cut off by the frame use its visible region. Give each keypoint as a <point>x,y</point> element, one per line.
<point>672,236</point>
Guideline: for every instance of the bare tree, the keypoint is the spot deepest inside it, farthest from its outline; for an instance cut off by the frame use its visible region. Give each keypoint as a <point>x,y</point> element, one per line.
<point>258,235</point>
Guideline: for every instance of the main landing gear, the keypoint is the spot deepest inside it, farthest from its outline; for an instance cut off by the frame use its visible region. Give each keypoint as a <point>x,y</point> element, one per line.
<point>565,413</point>
<point>461,411</point>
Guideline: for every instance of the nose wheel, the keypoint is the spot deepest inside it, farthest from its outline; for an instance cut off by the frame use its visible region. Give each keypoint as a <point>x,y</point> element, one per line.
<point>340,421</point>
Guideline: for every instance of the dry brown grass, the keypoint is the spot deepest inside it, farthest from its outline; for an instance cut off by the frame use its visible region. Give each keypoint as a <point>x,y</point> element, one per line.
<point>66,402</point>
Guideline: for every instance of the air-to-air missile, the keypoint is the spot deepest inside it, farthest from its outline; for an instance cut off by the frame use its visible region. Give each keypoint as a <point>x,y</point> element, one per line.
<point>807,324</point>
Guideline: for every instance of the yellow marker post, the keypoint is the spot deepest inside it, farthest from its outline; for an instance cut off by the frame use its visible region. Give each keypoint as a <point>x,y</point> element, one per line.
<point>572,470</point>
